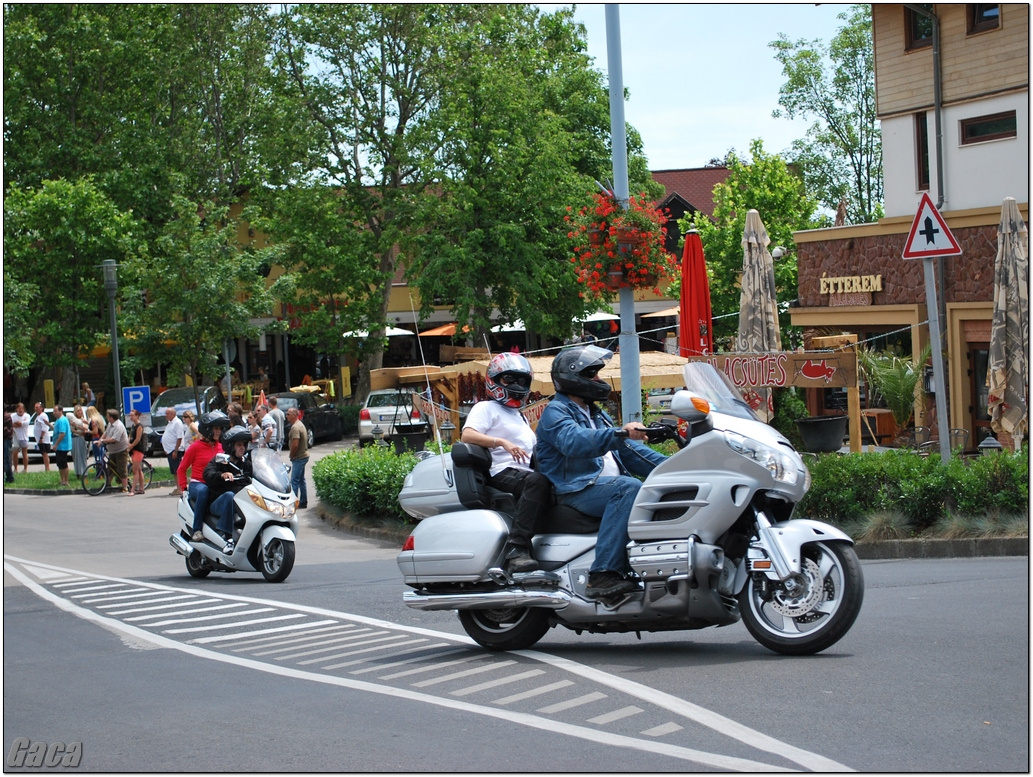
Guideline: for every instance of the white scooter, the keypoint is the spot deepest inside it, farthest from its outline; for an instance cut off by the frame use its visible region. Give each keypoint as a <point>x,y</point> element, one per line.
<point>713,541</point>
<point>265,526</point>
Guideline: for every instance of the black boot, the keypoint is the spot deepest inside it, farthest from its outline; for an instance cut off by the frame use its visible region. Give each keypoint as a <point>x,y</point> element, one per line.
<point>603,585</point>
<point>519,559</point>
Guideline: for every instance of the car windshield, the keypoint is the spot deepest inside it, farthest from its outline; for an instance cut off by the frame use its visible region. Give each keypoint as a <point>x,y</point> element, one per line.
<point>286,403</point>
<point>268,470</point>
<point>181,399</point>
<point>707,381</point>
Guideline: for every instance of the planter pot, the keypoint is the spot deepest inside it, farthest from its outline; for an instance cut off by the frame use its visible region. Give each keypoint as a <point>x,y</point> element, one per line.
<point>596,237</point>
<point>409,437</point>
<point>615,277</point>
<point>822,434</point>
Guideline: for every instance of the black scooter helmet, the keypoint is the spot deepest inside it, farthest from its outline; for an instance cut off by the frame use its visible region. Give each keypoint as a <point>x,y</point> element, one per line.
<point>575,371</point>
<point>234,435</point>
<point>209,421</point>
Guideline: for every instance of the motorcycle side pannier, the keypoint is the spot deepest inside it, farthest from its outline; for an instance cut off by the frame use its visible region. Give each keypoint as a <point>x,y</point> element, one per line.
<point>454,547</point>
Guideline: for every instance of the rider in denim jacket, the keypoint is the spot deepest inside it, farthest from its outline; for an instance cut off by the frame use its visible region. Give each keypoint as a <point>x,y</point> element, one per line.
<point>589,465</point>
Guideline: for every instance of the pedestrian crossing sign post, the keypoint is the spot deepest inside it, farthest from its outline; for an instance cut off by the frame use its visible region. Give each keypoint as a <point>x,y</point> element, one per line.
<point>929,236</point>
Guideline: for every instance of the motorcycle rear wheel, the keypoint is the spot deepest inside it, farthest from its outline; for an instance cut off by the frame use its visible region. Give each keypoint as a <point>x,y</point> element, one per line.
<point>818,614</point>
<point>513,628</point>
<point>276,560</point>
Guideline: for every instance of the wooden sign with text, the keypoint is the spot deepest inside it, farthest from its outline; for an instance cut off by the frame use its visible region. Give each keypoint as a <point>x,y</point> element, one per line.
<point>803,370</point>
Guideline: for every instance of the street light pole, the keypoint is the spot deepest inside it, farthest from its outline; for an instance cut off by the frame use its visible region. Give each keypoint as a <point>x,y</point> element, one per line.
<point>110,270</point>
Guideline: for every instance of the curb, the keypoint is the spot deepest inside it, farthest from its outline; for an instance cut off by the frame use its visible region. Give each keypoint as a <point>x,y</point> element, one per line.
<point>77,489</point>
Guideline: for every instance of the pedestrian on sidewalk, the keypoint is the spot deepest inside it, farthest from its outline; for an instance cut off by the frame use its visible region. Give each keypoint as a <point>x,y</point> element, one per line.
<point>80,434</point>
<point>42,429</point>
<point>136,446</point>
<point>62,443</point>
<point>298,437</point>
<point>21,421</point>
<point>174,444</point>
<point>117,439</point>
<point>8,442</point>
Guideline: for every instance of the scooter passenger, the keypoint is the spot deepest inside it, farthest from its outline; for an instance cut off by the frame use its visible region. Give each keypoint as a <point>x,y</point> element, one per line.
<point>590,466</point>
<point>225,475</point>
<point>498,425</point>
<point>195,460</point>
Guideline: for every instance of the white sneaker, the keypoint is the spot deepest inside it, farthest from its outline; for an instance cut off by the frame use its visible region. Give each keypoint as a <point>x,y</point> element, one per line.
<point>198,537</point>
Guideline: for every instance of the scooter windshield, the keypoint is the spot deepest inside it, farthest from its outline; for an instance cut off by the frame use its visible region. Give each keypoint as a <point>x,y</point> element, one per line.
<point>707,381</point>
<point>268,470</point>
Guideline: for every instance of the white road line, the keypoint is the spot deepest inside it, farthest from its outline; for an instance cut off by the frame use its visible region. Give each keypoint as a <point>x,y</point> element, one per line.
<point>79,591</point>
<point>389,638</point>
<point>571,703</point>
<point>234,625</point>
<point>251,644</point>
<point>718,723</point>
<point>353,634</point>
<point>534,692</point>
<point>260,632</point>
<point>155,607</point>
<point>663,730</point>
<point>117,595</point>
<point>199,618</point>
<point>610,717</point>
<point>465,673</point>
<point>380,667</point>
<point>431,668</point>
<point>513,678</point>
<point>375,649</point>
<point>231,606</point>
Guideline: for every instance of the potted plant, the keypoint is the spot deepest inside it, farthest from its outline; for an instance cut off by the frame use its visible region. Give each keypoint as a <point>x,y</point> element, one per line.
<point>893,380</point>
<point>617,247</point>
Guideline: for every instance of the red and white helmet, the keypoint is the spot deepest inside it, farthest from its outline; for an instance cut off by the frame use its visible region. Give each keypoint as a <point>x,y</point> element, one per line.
<point>508,379</point>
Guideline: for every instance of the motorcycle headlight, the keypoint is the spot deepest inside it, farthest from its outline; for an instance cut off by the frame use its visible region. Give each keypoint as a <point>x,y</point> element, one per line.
<point>280,510</point>
<point>780,465</point>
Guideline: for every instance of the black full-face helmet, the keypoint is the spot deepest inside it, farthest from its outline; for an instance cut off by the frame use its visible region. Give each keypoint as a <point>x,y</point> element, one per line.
<point>575,371</point>
<point>508,379</point>
<point>234,435</point>
<point>209,421</point>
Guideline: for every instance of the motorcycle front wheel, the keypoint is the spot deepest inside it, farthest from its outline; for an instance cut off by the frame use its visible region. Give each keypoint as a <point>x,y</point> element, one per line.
<point>816,612</point>
<point>513,628</point>
<point>277,560</point>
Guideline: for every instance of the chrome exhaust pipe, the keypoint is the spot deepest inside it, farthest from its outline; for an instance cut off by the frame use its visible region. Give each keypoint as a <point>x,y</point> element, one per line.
<point>487,600</point>
<point>182,547</point>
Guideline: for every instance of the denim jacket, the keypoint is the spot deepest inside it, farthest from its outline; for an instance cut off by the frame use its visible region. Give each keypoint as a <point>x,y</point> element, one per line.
<point>570,452</point>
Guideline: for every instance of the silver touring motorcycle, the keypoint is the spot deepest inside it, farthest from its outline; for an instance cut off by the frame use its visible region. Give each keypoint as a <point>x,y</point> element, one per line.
<point>712,541</point>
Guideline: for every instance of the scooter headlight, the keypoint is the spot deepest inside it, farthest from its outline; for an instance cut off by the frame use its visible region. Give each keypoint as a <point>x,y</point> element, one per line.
<point>780,465</point>
<point>277,509</point>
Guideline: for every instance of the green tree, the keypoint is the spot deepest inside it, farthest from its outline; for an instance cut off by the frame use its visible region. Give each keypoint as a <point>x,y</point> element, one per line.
<point>841,156</point>
<point>765,183</point>
<point>55,238</point>
<point>201,288</point>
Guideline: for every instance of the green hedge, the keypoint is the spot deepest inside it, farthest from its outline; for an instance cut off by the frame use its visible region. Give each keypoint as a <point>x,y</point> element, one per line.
<point>349,418</point>
<point>846,489</point>
<point>363,482</point>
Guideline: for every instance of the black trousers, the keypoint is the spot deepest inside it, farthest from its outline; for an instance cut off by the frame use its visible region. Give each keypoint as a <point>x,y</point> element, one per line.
<point>533,493</point>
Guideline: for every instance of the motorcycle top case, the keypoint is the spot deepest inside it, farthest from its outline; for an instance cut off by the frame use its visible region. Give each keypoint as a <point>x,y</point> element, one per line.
<point>454,547</point>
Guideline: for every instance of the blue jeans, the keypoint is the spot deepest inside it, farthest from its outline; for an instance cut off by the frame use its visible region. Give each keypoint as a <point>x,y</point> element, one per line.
<point>298,479</point>
<point>223,507</point>
<point>198,491</point>
<point>611,498</point>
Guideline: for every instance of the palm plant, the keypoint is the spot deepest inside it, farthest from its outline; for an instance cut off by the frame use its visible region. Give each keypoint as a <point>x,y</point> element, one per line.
<point>893,379</point>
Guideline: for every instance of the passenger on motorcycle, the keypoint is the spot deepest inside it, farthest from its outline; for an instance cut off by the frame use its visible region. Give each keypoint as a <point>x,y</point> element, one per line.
<point>200,452</point>
<point>226,474</point>
<point>590,467</point>
<point>498,425</point>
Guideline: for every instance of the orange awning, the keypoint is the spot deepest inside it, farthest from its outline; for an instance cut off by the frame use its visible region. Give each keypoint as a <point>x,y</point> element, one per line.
<point>446,330</point>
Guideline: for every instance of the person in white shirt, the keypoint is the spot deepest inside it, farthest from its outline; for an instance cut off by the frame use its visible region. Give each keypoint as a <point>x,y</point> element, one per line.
<point>41,428</point>
<point>21,422</point>
<point>268,437</point>
<point>498,425</point>
<point>173,444</point>
<point>280,418</point>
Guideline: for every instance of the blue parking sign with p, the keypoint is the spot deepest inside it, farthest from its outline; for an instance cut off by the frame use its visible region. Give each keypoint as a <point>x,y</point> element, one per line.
<point>138,398</point>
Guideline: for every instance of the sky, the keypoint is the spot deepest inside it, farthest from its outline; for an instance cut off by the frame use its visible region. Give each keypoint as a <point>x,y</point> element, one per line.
<point>701,77</point>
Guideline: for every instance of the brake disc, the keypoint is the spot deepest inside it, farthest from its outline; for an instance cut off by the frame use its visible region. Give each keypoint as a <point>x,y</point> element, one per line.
<point>809,592</point>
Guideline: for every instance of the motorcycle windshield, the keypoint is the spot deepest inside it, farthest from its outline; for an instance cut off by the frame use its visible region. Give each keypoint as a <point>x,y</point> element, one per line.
<point>268,470</point>
<point>707,381</point>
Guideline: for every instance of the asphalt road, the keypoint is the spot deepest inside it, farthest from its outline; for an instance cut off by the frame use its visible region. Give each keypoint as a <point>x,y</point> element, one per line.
<point>108,642</point>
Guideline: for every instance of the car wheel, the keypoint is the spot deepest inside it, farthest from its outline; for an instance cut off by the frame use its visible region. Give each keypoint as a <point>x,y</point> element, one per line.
<point>311,436</point>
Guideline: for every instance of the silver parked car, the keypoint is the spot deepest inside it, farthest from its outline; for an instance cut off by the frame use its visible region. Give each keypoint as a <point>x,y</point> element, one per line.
<point>384,408</point>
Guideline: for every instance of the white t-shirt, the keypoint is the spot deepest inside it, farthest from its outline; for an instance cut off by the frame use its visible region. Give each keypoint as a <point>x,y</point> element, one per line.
<point>610,468</point>
<point>174,432</point>
<point>496,420</point>
<point>42,428</point>
<point>21,432</point>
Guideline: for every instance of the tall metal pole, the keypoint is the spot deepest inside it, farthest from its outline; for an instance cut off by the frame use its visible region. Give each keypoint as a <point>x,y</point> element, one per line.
<point>110,270</point>
<point>939,374</point>
<point>631,384</point>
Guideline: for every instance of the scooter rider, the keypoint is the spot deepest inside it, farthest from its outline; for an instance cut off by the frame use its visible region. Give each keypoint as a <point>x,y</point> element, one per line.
<point>498,425</point>
<point>589,465</point>
<point>200,452</point>
<point>225,475</point>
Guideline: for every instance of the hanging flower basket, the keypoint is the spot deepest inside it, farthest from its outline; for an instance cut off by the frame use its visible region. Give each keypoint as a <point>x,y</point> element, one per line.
<point>615,247</point>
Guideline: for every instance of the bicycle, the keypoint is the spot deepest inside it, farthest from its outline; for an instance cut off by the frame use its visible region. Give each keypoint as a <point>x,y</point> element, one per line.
<point>97,477</point>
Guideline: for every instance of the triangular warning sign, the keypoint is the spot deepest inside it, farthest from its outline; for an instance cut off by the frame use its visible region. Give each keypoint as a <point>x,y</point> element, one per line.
<point>929,234</point>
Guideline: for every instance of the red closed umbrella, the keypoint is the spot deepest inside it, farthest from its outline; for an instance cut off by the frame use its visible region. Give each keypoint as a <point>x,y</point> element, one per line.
<point>695,334</point>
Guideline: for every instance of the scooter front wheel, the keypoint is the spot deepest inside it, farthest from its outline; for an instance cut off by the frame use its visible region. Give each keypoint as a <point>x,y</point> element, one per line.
<point>277,560</point>
<point>513,628</point>
<point>816,612</point>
